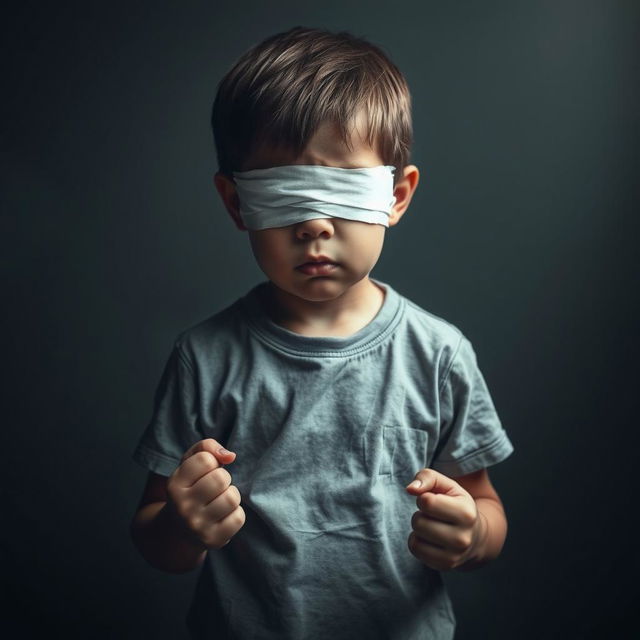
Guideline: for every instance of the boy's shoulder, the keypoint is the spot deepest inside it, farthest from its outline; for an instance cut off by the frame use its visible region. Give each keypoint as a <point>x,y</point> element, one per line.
<point>434,342</point>
<point>215,332</point>
<point>430,327</point>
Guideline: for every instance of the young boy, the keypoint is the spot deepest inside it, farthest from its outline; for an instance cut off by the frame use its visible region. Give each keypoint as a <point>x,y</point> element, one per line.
<point>331,390</point>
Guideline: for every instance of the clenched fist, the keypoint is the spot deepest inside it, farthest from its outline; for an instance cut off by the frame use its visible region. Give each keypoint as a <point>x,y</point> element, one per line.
<point>201,497</point>
<point>447,527</point>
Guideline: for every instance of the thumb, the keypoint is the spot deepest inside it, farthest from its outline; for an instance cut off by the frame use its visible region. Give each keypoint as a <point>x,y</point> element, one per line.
<point>436,482</point>
<point>222,455</point>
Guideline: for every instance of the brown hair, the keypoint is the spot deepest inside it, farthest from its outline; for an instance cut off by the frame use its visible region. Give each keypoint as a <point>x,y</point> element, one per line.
<point>280,91</point>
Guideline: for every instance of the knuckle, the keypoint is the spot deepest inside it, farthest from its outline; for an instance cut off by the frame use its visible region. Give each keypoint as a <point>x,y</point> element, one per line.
<point>177,502</point>
<point>193,521</point>
<point>205,458</point>
<point>468,518</point>
<point>415,518</point>
<point>238,496</point>
<point>462,542</point>
<point>240,516</point>
<point>231,497</point>
<point>426,474</point>
<point>224,475</point>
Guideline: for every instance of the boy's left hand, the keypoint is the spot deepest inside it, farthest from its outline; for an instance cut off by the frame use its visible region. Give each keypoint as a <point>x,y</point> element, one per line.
<point>446,529</point>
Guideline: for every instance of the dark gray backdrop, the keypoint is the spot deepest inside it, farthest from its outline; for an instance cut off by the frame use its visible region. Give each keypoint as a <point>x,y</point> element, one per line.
<point>522,233</point>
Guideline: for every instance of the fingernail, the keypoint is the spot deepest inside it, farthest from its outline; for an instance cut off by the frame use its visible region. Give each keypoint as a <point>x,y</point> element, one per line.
<point>223,451</point>
<point>416,484</point>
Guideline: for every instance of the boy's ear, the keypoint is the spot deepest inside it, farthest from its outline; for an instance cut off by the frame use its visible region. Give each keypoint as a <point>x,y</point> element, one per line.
<point>403,191</point>
<point>227,190</point>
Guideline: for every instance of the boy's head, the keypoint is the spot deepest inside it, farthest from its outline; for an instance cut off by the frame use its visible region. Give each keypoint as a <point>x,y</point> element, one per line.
<point>314,98</point>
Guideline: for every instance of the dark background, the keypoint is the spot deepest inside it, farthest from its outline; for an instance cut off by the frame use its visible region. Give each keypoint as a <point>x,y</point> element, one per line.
<point>522,233</point>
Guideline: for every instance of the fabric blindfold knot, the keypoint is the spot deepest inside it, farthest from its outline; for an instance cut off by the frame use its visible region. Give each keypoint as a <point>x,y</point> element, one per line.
<point>280,196</point>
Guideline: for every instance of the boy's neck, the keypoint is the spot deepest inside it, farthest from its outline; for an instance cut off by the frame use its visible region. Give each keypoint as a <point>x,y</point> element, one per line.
<point>340,317</point>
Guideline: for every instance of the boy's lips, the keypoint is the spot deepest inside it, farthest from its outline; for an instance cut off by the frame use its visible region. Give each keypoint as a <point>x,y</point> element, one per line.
<point>312,260</point>
<point>317,268</point>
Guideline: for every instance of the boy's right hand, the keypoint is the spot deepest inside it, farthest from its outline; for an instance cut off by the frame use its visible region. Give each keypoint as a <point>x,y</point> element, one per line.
<point>201,497</point>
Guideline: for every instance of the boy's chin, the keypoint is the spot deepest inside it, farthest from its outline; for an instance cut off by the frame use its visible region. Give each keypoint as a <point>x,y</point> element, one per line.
<point>316,289</point>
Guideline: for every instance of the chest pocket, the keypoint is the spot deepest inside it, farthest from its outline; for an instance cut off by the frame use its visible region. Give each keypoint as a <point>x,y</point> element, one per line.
<point>403,453</point>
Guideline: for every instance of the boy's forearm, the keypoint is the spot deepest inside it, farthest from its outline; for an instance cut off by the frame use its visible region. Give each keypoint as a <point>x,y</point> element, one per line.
<point>162,543</point>
<point>493,531</point>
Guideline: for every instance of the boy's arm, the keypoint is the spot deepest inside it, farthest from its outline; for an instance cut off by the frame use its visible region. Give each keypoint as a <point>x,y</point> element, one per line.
<point>158,537</point>
<point>493,520</point>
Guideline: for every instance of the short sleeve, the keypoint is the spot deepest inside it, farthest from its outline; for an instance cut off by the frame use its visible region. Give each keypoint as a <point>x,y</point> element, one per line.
<point>471,434</point>
<point>173,427</point>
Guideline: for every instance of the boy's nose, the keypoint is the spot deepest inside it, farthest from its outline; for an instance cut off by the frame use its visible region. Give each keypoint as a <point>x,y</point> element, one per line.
<point>314,228</point>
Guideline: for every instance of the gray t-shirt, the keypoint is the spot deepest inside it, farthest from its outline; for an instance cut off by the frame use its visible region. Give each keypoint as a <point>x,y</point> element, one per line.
<point>328,431</point>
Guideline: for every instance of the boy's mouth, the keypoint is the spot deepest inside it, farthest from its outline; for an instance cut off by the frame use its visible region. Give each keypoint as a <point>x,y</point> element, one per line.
<point>317,261</point>
<point>317,266</point>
